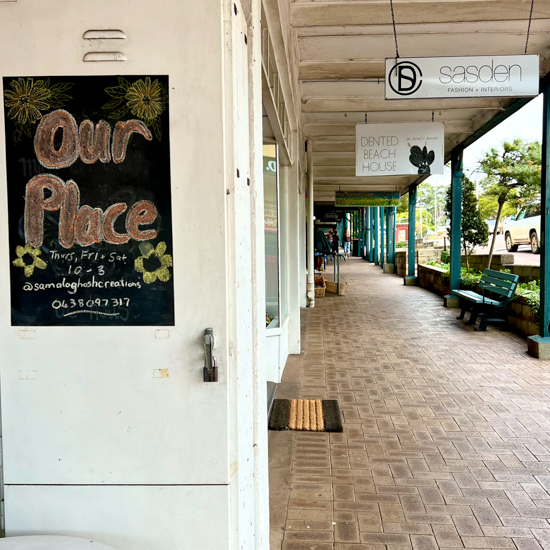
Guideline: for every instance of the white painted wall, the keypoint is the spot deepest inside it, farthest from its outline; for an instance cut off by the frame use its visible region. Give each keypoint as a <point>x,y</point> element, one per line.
<point>252,9</point>
<point>294,236</point>
<point>94,446</point>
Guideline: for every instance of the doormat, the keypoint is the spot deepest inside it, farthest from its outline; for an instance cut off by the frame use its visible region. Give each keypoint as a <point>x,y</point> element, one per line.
<point>311,415</point>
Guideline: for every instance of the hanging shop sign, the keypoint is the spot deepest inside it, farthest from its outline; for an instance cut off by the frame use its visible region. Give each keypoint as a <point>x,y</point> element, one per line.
<point>461,77</point>
<point>89,203</point>
<point>399,149</point>
<point>363,198</point>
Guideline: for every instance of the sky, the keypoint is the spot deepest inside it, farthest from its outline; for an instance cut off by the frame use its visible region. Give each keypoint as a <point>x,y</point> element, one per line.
<point>525,124</point>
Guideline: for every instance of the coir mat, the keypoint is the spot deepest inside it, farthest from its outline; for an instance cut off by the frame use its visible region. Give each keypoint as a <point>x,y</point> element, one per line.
<point>312,415</point>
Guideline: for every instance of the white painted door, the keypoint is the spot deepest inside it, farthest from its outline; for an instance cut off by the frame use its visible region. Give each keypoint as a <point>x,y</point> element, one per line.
<point>96,404</point>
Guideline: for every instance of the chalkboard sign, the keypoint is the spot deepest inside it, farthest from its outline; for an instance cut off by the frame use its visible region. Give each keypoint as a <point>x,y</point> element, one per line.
<point>89,204</point>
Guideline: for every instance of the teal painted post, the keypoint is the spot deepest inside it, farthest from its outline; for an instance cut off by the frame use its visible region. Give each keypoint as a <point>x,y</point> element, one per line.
<point>360,247</point>
<point>372,232</point>
<point>390,234</point>
<point>369,233</point>
<point>364,250</point>
<point>382,215</point>
<point>411,270</point>
<point>394,232</point>
<point>544,312</point>
<point>376,255</point>
<point>456,217</point>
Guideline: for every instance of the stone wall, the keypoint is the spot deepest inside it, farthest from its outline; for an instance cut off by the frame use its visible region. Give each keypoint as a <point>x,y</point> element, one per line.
<point>424,255</point>
<point>401,263</point>
<point>521,317</point>
<point>526,272</point>
<point>433,279</point>
<point>479,262</point>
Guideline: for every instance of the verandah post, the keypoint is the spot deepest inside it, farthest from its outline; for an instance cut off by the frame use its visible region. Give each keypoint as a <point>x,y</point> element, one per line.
<point>390,240</point>
<point>410,278</point>
<point>456,222</point>
<point>382,259</point>
<point>539,345</point>
<point>368,228</point>
<point>376,255</point>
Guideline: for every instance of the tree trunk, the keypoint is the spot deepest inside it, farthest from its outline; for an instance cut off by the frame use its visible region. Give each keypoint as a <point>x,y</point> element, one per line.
<point>497,221</point>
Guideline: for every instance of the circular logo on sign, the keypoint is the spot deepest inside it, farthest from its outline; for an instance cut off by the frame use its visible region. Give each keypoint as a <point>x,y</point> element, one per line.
<point>405,78</point>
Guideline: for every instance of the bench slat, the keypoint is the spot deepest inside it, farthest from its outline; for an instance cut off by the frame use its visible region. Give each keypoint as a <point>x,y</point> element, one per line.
<point>501,275</point>
<point>497,290</point>
<point>498,282</point>
<point>475,297</point>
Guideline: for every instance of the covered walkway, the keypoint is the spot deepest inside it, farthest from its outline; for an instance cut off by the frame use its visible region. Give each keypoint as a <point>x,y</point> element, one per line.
<point>446,439</point>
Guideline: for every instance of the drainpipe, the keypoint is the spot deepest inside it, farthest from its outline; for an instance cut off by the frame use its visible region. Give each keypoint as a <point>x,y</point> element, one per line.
<point>410,278</point>
<point>539,345</point>
<point>310,229</point>
<point>451,300</point>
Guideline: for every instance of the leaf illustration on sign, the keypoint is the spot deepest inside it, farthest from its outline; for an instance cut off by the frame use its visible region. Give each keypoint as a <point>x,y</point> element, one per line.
<point>421,158</point>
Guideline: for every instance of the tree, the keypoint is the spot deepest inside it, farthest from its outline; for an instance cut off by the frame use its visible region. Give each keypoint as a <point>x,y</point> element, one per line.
<point>474,230</point>
<point>515,171</point>
<point>488,207</point>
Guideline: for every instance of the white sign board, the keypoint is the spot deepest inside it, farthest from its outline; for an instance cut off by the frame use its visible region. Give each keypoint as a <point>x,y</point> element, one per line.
<point>399,149</point>
<point>479,76</point>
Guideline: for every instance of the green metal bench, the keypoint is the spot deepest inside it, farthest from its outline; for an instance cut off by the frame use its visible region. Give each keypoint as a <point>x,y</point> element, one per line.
<point>501,286</point>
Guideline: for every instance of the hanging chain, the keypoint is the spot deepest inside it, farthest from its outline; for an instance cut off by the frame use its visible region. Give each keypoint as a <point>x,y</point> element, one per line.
<point>529,26</point>
<point>395,31</point>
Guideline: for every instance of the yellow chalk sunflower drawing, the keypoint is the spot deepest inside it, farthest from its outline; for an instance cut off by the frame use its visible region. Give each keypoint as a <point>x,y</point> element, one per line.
<point>153,263</point>
<point>146,99</point>
<point>27,258</point>
<point>28,98</point>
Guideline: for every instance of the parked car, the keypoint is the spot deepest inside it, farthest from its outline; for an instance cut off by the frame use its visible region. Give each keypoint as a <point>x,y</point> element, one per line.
<point>524,229</point>
<point>491,226</point>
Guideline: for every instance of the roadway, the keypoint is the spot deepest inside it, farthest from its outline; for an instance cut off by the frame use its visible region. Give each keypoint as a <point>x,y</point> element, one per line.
<point>523,256</point>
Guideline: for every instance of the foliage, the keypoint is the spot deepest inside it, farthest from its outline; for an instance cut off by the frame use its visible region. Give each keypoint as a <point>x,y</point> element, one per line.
<point>445,256</point>
<point>513,173</point>
<point>401,245</point>
<point>531,294</point>
<point>488,207</point>
<point>431,198</point>
<point>517,167</point>
<point>474,231</point>
<point>403,207</point>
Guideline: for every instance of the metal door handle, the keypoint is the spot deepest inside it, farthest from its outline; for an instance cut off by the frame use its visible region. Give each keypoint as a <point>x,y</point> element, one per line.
<point>210,370</point>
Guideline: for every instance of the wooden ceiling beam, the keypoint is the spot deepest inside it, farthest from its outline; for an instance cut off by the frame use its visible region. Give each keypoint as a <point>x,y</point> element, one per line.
<point>328,130</point>
<point>512,27</point>
<point>377,12</point>
<point>333,105</point>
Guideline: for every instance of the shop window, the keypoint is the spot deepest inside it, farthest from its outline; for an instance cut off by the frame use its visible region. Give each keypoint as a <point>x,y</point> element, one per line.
<point>271,229</point>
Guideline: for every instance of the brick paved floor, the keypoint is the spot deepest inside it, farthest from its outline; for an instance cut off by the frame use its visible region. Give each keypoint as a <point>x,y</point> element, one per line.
<point>446,439</point>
